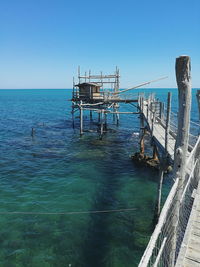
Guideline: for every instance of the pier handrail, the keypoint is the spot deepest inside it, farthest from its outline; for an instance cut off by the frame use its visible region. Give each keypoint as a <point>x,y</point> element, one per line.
<point>166,240</point>
<point>163,229</point>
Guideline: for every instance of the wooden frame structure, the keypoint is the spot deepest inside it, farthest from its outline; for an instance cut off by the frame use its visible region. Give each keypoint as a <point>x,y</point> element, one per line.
<point>98,94</point>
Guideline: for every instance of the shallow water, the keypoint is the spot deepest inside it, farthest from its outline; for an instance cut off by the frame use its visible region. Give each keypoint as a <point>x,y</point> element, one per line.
<point>56,171</point>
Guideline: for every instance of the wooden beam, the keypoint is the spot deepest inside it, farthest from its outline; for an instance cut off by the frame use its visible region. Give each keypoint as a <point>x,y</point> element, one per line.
<point>81,118</point>
<point>183,77</point>
<point>167,129</point>
<point>198,101</point>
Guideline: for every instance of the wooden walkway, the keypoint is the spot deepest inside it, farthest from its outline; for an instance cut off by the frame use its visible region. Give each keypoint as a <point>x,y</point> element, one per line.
<point>189,255</point>
<point>157,130</point>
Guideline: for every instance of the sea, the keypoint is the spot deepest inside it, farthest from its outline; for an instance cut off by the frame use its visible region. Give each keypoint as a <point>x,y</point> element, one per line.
<point>72,201</point>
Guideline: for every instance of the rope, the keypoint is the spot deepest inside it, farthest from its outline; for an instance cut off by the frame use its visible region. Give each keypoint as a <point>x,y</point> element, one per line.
<point>195,123</point>
<point>64,213</point>
<point>175,114</point>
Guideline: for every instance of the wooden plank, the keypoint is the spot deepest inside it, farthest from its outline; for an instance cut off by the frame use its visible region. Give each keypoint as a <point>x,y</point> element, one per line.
<point>189,263</point>
<point>190,249</point>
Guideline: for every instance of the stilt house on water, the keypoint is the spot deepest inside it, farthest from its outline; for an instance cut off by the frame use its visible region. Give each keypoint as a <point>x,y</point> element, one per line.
<point>101,94</point>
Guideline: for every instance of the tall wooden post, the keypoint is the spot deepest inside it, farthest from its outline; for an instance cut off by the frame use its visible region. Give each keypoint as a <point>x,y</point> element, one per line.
<point>167,129</point>
<point>183,77</point>
<point>73,124</point>
<point>117,114</point>
<point>161,112</point>
<point>142,129</point>
<point>105,120</point>
<point>159,192</point>
<point>113,113</point>
<point>152,121</point>
<point>90,115</point>
<point>99,117</point>
<point>198,101</point>
<point>81,118</point>
<point>142,147</point>
<point>101,128</point>
<point>142,104</point>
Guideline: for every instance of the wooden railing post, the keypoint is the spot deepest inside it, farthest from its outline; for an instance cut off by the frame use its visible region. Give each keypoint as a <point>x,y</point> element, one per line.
<point>152,121</point>
<point>167,129</point>
<point>198,101</point>
<point>142,104</point>
<point>183,77</point>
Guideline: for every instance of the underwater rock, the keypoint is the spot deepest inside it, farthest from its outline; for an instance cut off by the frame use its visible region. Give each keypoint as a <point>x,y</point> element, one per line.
<point>145,160</point>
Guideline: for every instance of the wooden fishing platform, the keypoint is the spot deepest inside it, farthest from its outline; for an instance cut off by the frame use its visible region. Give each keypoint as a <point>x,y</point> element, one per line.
<point>99,94</point>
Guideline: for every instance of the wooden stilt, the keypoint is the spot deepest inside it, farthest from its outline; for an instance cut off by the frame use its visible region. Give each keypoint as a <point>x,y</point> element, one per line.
<point>142,146</point>
<point>113,113</point>
<point>143,131</point>
<point>99,117</point>
<point>152,122</point>
<point>141,121</point>
<point>155,153</point>
<point>32,132</point>
<point>73,124</point>
<point>105,120</point>
<point>117,115</point>
<point>90,115</point>
<point>81,118</point>
<point>159,194</point>
<point>101,128</point>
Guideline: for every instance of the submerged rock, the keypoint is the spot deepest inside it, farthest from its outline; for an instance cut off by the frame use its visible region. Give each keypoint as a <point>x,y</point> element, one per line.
<point>145,160</point>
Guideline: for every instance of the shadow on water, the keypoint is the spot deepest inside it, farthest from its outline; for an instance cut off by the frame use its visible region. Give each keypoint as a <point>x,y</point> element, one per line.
<point>97,244</point>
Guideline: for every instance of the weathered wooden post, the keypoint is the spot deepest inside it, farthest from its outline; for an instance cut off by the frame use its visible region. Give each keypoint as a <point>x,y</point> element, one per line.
<point>147,111</point>
<point>142,107</point>
<point>155,153</point>
<point>32,132</point>
<point>160,110</point>
<point>142,147</point>
<point>159,191</point>
<point>117,115</point>
<point>141,120</point>
<point>142,129</point>
<point>73,124</point>
<point>105,120</point>
<point>183,77</point>
<point>198,101</point>
<point>90,115</point>
<point>81,118</point>
<point>152,122</point>
<point>167,129</point>
<point>101,128</point>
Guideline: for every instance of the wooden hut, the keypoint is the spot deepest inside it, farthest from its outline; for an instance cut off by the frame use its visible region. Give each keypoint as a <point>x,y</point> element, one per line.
<point>89,91</point>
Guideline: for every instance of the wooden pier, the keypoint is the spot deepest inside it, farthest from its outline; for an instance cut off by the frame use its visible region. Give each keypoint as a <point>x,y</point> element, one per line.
<point>176,237</point>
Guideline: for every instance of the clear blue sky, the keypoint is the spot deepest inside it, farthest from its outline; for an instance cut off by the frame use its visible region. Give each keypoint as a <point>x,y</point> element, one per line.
<point>43,41</point>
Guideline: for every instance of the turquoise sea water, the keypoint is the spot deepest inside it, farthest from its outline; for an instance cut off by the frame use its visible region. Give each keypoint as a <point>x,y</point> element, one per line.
<point>57,171</point>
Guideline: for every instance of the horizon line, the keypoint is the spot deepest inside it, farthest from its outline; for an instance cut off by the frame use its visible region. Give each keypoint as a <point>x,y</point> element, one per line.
<point>72,88</point>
